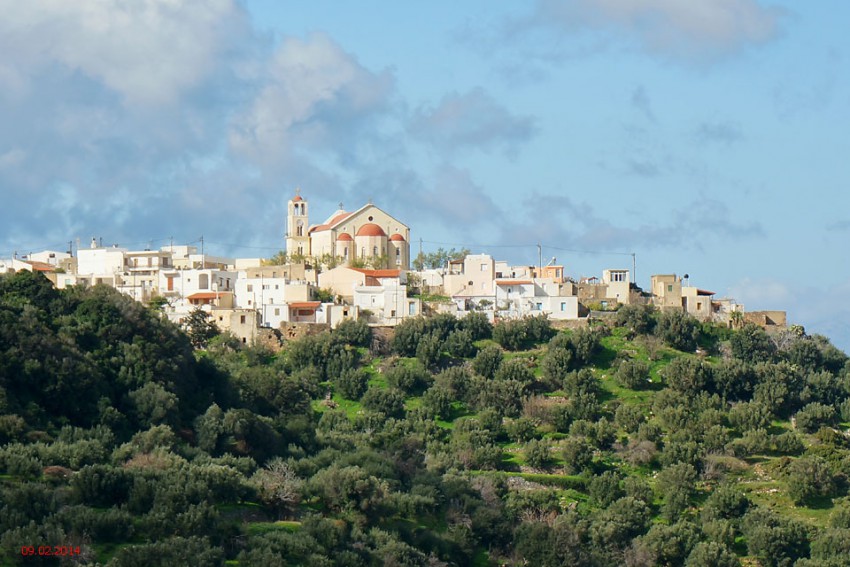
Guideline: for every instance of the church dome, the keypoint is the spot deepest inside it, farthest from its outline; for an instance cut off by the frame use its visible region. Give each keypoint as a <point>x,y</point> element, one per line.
<point>297,198</point>
<point>344,237</point>
<point>396,238</point>
<point>371,229</point>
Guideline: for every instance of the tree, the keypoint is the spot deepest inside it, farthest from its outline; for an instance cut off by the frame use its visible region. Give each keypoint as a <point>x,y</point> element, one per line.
<point>810,478</point>
<point>638,319</point>
<point>711,554</point>
<point>688,375</point>
<point>537,453</point>
<point>752,344</point>
<point>352,383</point>
<point>678,329</point>
<point>633,374</point>
<point>279,259</point>
<point>488,360</point>
<point>200,327</point>
<point>278,486</point>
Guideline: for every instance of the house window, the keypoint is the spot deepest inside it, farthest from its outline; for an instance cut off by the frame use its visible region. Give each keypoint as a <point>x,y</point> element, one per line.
<point>540,307</point>
<point>276,286</point>
<point>362,251</point>
<point>411,308</point>
<point>203,281</point>
<point>250,287</point>
<point>483,267</point>
<point>563,306</point>
<point>345,252</point>
<point>242,319</point>
<point>670,289</point>
<point>277,310</point>
<point>374,251</point>
<point>249,303</point>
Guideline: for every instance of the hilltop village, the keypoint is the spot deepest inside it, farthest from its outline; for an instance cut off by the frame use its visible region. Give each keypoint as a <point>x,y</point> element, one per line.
<point>357,265</point>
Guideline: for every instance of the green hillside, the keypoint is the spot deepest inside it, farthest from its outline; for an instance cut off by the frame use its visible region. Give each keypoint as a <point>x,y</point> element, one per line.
<point>648,439</point>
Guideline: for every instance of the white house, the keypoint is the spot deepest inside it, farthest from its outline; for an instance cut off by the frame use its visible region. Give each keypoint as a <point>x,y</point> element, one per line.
<point>387,300</point>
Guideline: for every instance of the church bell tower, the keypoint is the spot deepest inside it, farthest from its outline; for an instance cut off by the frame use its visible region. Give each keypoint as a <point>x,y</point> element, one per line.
<point>297,240</point>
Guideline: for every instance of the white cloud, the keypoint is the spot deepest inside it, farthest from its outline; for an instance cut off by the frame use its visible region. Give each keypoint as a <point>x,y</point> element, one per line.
<point>818,308</point>
<point>705,28</point>
<point>147,51</point>
<point>314,93</point>
<point>474,119</point>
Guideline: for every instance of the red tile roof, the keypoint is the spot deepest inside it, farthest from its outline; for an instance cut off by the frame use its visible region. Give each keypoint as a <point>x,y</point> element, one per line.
<point>513,282</point>
<point>379,273</point>
<point>207,295</point>
<point>344,237</point>
<point>297,198</point>
<point>397,237</point>
<point>370,229</point>
<point>41,266</point>
<point>305,304</point>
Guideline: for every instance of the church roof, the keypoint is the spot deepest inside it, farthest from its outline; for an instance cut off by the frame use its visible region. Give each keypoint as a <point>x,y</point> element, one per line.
<point>334,219</point>
<point>344,237</point>
<point>297,198</point>
<point>397,237</point>
<point>370,229</point>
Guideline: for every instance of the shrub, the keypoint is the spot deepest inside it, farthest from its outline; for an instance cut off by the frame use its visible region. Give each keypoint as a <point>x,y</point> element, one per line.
<point>813,416</point>
<point>678,329</point>
<point>352,383</point>
<point>488,360</point>
<point>633,374</point>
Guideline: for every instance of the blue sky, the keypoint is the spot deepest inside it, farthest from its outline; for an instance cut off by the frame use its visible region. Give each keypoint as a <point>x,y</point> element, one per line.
<point>709,138</point>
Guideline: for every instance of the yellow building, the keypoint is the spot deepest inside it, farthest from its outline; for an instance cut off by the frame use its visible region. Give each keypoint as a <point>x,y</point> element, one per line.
<point>368,235</point>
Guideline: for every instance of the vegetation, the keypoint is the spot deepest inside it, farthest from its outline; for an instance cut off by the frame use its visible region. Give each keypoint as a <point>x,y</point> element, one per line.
<point>464,444</point>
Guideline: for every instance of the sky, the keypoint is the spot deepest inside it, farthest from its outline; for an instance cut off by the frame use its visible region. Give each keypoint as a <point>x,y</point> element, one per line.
<point>708,138</point>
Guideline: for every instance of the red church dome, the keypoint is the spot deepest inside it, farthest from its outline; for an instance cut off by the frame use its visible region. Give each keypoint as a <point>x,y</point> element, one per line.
<point>371,229</point>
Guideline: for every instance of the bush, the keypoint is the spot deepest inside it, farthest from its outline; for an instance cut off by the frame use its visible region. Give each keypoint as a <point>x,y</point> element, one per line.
<point>752,344</point>
<point>409,378</point>
<point>633,374</point>
<point>459,344</point>
<point>813,416</point>
<point>537,453</point>
<point>638,319</point>
<point>687,375</point>
<point>388,401</point>
<point>810,478</point>
<point>488,360</point>
<point>748,416</point>
<point>352,383</point>
<point>516,370</point>
<point>678,329</point>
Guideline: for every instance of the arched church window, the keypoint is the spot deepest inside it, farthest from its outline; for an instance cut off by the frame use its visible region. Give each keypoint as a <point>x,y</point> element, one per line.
<point>374,251</point>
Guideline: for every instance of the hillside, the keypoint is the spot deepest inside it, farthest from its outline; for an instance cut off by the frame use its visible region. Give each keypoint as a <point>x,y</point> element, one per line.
<point>651,439</point>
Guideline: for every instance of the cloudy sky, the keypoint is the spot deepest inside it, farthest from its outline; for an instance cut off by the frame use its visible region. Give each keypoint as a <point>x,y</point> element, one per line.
<point>708,138</point>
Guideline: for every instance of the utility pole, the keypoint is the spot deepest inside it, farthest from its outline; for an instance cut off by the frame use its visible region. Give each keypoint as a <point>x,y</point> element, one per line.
<point>203,258</point>
<point>539,260</point>
<point>634,269</point>
<point>420,250</point>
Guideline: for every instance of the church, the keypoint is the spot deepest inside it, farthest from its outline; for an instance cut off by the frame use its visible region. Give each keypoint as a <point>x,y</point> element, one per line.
<point>368,235</point>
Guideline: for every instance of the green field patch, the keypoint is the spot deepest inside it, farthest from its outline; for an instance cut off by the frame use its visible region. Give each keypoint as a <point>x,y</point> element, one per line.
<point>257,528</point>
